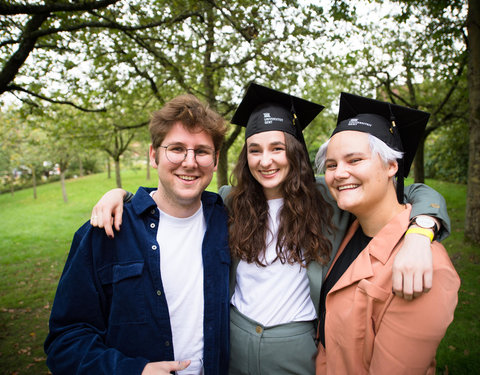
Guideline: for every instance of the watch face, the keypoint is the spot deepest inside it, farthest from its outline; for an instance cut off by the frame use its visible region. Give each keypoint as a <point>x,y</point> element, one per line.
<point>425,222</point>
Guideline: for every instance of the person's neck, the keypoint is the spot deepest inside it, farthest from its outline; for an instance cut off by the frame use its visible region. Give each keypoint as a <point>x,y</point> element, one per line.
<point>175,210</point>
<point>380,215</point>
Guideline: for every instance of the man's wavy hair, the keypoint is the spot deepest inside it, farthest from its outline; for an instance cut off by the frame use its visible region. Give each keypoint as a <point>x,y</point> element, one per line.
<point>304,218</point>
<point>193,114</point>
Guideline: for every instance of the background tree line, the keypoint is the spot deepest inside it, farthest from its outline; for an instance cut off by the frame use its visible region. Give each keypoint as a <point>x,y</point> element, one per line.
<point>78,79</point>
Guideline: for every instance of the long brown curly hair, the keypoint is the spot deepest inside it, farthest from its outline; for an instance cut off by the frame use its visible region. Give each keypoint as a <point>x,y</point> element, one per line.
<point>303,219</point>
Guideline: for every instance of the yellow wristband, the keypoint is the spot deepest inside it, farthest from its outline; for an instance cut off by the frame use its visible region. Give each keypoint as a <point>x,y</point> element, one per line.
<point>425,232</point>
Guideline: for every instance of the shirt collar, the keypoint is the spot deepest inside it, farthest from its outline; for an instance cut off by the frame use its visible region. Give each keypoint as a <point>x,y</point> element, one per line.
<point>142,201</point>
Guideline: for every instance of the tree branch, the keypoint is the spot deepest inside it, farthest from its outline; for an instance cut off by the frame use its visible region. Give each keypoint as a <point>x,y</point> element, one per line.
<point>124,144</point>
<point>111,25</point>
<point>162,59</point>
<point>248,33</point>
<point>13,88</point>
<point>454,85</point>
<point>49,7</point>
<point>12,66</point>
<point>126,127</point>
<point>145,75</point>
<point>229,141</point>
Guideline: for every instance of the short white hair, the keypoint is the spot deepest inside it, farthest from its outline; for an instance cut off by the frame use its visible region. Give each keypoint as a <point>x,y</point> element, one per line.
<point>377,146</point>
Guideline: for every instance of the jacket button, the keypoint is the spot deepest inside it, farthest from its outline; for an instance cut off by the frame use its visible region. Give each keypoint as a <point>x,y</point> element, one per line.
<point>167,343</point>
<point>159,292</point>
<point>154,247</point>
<point>152,225</point>
<point>258,329</point>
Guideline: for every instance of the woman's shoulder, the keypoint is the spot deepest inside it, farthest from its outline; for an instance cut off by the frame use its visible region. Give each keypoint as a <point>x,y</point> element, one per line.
<point>224,191</point>
<point>442,261</point>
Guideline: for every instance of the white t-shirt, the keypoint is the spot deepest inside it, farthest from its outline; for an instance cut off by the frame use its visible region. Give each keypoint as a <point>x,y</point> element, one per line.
<point>275,294</point>
<point>181,267</point>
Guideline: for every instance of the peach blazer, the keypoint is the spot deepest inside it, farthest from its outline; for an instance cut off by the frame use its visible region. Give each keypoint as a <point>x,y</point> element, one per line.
<point>370,331</point>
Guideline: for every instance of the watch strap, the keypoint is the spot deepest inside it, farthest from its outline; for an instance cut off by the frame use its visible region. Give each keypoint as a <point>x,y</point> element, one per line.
<point>423,231</point>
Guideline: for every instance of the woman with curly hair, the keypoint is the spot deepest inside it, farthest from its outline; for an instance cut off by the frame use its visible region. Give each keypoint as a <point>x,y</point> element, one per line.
<point>278,221</point>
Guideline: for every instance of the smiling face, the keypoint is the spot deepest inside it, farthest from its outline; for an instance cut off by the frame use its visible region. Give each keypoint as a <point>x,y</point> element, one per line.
<point>180,186</point>
<point>359,181</point>
<point>267,161</point>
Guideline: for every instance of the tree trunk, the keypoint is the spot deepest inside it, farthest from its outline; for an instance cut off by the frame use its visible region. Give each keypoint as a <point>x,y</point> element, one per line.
<point>472,214</point>
<point>208,71</point>
<point>80,167</point>
<point>12,180</point>
<point>419,163</point>
<point>118,178</point>
<point>34,183</point>
<point>222,169</point>
<point>148,165</point>
<point>208,82</point>
<point>109,168</point>
<point>64,190</point>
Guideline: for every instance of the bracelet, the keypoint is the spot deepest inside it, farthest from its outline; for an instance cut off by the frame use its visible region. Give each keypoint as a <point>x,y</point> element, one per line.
<point>423,231</point>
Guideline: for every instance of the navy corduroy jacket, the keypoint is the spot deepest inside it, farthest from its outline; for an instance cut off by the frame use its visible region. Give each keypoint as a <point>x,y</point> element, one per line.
<point>110,314</point>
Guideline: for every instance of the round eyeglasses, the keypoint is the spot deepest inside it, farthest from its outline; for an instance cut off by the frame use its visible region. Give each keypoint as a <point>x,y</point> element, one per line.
<point>176,154</point>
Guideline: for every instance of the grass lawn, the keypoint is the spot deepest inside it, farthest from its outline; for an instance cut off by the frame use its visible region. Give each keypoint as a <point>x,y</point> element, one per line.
<point>35,238</point>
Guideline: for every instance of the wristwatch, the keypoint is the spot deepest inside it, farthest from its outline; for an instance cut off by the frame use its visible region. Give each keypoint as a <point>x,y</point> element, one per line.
<point>425,222</point>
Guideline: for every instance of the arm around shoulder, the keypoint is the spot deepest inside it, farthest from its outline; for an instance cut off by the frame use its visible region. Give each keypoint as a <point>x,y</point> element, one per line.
<point>107,213</point>
<point>427,201</point>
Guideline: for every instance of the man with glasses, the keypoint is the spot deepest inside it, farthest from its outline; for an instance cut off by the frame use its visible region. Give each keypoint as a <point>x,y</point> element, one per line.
<point>154,298</point>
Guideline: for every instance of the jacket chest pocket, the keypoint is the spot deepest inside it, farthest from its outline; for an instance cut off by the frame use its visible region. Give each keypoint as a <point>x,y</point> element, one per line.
<point>124,288</point>
<point>375,301</point>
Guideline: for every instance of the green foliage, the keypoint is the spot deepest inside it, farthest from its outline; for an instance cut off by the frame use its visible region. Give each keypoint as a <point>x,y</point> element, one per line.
<point>21,151</point>
<point>158,49</point>
<point>447,154</point>
<point>342,10</point>
<point>89,164</point>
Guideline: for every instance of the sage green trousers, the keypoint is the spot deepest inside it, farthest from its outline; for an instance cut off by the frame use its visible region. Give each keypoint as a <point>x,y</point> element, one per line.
<point>278,350</point>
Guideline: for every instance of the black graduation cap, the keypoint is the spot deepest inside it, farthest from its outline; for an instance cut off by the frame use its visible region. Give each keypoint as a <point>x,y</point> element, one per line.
<point>263,109</point>
<point>399,127</point>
